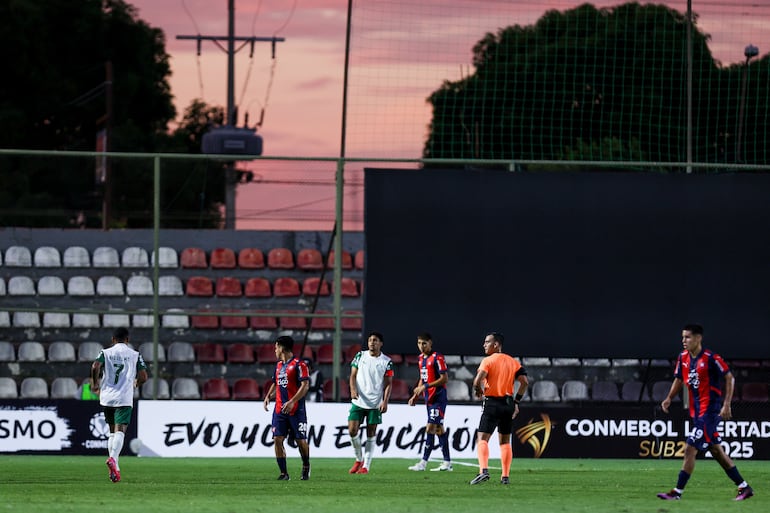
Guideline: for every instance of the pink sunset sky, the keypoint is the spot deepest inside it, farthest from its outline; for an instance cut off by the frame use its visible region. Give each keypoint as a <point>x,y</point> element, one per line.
<point>401,52</point>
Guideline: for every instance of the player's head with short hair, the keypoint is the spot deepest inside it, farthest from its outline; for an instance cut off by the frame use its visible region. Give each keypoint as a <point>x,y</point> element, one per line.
<point>497,337</point>
<point>285,342</point>
<point>120,335</point>
<point>695,329</point>
<point>425,336</point>
<point>376,334</point>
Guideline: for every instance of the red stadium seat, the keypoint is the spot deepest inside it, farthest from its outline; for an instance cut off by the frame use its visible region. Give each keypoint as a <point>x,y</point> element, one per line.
<point>233,322</point>
<point>245,389</point>
<point>411,359</point>
<point>325,353</point>
<point>358,259</point>
<point>193,258</point>
<point>310,286</point>
<point>251,258</point>
<point>205,322</point>
<point>286,287</point>
<point>280,258</point>
<point>265,353</point>
<point>754,392</point>
<point>258,287</point>
<point>344,387</point>
<point>199,286</point>
<point>348,287</point>
<point>347,260</point>
<point>210,352</point>
<point>400,390</point>
<point>263,322</point>
<point>322,323</point>
<point>396,358</point>
<point>352,323</point>
<point>293,323</point>
<point>222,258</point>
<point>350,352</point>
<point>240,353</point>
<point>310,259</point>
<point>228,287</point>
<point>216,389</point>
<point>266,385</point>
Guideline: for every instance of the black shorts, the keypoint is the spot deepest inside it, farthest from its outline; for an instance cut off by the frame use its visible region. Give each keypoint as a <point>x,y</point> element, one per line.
<point>497,413</point>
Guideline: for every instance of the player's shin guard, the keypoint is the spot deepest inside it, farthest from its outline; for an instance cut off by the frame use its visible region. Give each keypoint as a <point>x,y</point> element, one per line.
<point>356,442</point>
<point>443,441</point>
<point>482,451</point>
<point>429,441</point>
<point>117,446</point>
<point>506,456</point>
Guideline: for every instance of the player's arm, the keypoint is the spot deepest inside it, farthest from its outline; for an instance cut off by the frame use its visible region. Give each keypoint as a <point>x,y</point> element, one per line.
<point>727,397</point>
<point>523,381</point>
<point>388,383</point>
<point>141,378</point>
<point>301,392</point>
<point>269,393</point>
<point>676,387</point>
<point>478,383</point>
<point>96,371</point>
<point>353,388</point>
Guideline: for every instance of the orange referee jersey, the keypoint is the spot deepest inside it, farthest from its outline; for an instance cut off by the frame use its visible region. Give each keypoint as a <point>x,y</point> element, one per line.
<point>501,370</point>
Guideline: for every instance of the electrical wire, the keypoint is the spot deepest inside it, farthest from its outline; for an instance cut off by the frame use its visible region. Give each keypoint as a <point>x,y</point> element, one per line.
<point>198,56</point>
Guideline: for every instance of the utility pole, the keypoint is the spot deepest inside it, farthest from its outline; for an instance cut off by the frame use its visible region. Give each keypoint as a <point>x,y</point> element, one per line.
<point>106,122</point>
<point>231,50</point>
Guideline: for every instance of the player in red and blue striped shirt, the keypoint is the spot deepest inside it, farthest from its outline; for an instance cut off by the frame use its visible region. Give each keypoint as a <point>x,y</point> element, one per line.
<point>290,385</point>
<point>432,387</point>
<point>710,384</point>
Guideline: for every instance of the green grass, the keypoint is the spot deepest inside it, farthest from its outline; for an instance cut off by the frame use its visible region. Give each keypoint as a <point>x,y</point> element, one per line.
<point>80,483</point>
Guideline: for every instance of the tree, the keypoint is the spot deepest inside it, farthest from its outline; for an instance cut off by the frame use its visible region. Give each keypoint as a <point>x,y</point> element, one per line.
<point>592,84</point>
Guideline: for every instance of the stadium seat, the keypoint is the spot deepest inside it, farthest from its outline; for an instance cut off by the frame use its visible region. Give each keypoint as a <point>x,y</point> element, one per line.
<point>660,391</point>
<point>322,323</point>
<point>64,388</point>
<point>33,388</point>
<point>194,258</point>
<point>310,287</point>
<point>344,387</point>
<point>565,362</point>
<point>596,362</point>
<point>26,320</point>
<point>5,320</point>
<point>222,258</point>
<point>180,352</point>
<point>625,362</point>
<point>205,322</point>
<point>85,320</point>
<point>574,390</point>
<point>175,319</point>
<point>266,322</point>
<point>8,388</point>
<point>80,286</point>
<point>240,353</point>
<point>61,351</point>
<point>358,259</point>
<point>135,257</point>
<point>735,364</point>
<point>146,350</point>
<point>2,287</point>
<point>754,392</point>
<point>56,320</point>
<point>117,318</point>
<point>352,323</point>
<point>605,391</point>
<point>245,389</point>
<point>76,256</point>
<point>21,286</point>
<point>349,352</point>
<point>18,256</point>
<point>143,318</point>
<point>233,322</point>
<point>7,351</point>
<point>167,259</point>
<point>286,287</point>
<point>293,323</point>
<point>199,286</point>
<point>31,351</point>
<point>170,286</point>
<point>633,391</point>
<point>139,286</point>
<point>88,351</point>
<point>457,390</point>
<point>545,391</point>
<point>347,260</point>
<point>325,354</point>
<point>309,353</point>
<point>109,286</point>
<point>106,257</point>
<point>348,287</point>
<point>216,389</point>
<point>265,353</point>
<point>185,388</point>
<point>228,287</point>
<point>251,258</point>
<point>47,256</point>
<point>257,287</point>
<point>50,286</point>
<point>310,259</point>
<point>163,391</point>
<point>400,390</point>
<point>536,361</point>
<point>280,258</point>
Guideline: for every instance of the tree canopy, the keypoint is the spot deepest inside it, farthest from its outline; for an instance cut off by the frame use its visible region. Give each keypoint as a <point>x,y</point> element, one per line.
<point>599,84</point>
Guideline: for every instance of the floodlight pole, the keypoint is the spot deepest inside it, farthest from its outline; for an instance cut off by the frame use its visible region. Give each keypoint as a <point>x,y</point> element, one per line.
<point>231,117</point>
<point>749,52</point>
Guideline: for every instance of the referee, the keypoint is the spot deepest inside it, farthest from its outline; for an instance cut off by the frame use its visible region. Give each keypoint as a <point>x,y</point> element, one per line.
<point>494,383</point>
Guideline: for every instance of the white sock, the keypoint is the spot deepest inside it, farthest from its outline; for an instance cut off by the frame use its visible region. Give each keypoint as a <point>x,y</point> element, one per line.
<point>368,452</point>
<point>110,441</point>
<point>117,446</point>
<point>356,441</point>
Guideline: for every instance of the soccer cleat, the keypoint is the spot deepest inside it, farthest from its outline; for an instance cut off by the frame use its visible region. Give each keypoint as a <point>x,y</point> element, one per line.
<point>362,470</point>
<point>305,473</point>
<point>505,480</point>
<point>744,493</point>
<point>673,495</point>
<point>484,476</point>
<point>418,467</point>
<point>356,467</point>
<point>446,466</point>
<point>114,472</point>
<point>284,477</point>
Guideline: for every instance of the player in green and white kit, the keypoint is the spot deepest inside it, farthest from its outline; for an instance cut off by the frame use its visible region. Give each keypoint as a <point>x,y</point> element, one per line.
<point>115,373</point>
<point>371,380</point>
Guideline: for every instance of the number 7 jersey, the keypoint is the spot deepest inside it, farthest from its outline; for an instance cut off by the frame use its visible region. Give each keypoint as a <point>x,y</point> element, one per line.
<point>120,364</point>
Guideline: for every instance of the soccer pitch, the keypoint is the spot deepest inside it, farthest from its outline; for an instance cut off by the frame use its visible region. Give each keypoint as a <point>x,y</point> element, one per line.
<point>78,483</point>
